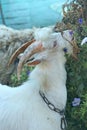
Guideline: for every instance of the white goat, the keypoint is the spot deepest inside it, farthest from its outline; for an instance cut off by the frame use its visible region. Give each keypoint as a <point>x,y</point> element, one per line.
<point>28,107</point>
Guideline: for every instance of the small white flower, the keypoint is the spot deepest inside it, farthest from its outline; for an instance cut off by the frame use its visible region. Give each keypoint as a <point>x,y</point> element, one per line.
<point>84,41</point>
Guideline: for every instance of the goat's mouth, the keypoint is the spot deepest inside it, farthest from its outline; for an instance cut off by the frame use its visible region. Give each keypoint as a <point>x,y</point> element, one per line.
<point>29,50</point>
<point>32,61</point>
<point>28,56</point>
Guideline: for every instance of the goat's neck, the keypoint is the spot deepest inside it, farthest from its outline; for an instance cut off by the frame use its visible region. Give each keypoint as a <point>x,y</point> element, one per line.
<point>52,80</point>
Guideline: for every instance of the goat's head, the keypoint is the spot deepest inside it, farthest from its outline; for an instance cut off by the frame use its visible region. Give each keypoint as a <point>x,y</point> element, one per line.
<point>44,48</point>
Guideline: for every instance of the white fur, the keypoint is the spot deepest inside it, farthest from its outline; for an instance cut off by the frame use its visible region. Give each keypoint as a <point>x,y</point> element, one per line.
<point>42,34</point>
<point>22,108</point>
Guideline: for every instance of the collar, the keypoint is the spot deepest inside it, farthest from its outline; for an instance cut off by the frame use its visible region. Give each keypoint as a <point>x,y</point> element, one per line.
<point>50,105</point>
<point>53,108</point>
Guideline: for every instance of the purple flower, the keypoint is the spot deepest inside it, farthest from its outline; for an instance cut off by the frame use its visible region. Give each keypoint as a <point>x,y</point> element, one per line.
<point>76,102</point>
<point>71,32</point>
<point>28,72</point>
<point>80,20</point>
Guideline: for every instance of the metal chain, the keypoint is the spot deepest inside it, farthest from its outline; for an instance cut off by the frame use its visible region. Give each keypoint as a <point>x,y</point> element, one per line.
<point>53,108</point>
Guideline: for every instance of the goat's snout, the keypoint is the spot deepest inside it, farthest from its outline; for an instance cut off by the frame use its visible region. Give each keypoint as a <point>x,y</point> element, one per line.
<point>31,50</point>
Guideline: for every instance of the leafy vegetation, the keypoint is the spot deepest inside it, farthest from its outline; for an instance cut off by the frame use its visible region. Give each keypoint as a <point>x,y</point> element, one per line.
<point>77,88</point>
<point>76,19</point>
<point>23,77</point>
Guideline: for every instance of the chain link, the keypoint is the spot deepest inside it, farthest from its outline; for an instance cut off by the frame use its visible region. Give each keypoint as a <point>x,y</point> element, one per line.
<point>53,108</point>
<point>50,105</point>
<point>63,123</point>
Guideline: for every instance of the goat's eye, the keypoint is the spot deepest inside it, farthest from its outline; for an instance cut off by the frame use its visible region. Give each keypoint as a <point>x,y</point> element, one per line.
<point>65,49</point>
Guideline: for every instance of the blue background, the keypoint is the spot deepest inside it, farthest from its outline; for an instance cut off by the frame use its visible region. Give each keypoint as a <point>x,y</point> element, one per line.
<point>20,14</point>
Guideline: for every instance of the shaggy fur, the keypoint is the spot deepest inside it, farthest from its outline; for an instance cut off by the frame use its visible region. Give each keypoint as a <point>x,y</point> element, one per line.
<point>22,108</point>
<point>10,40</point>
